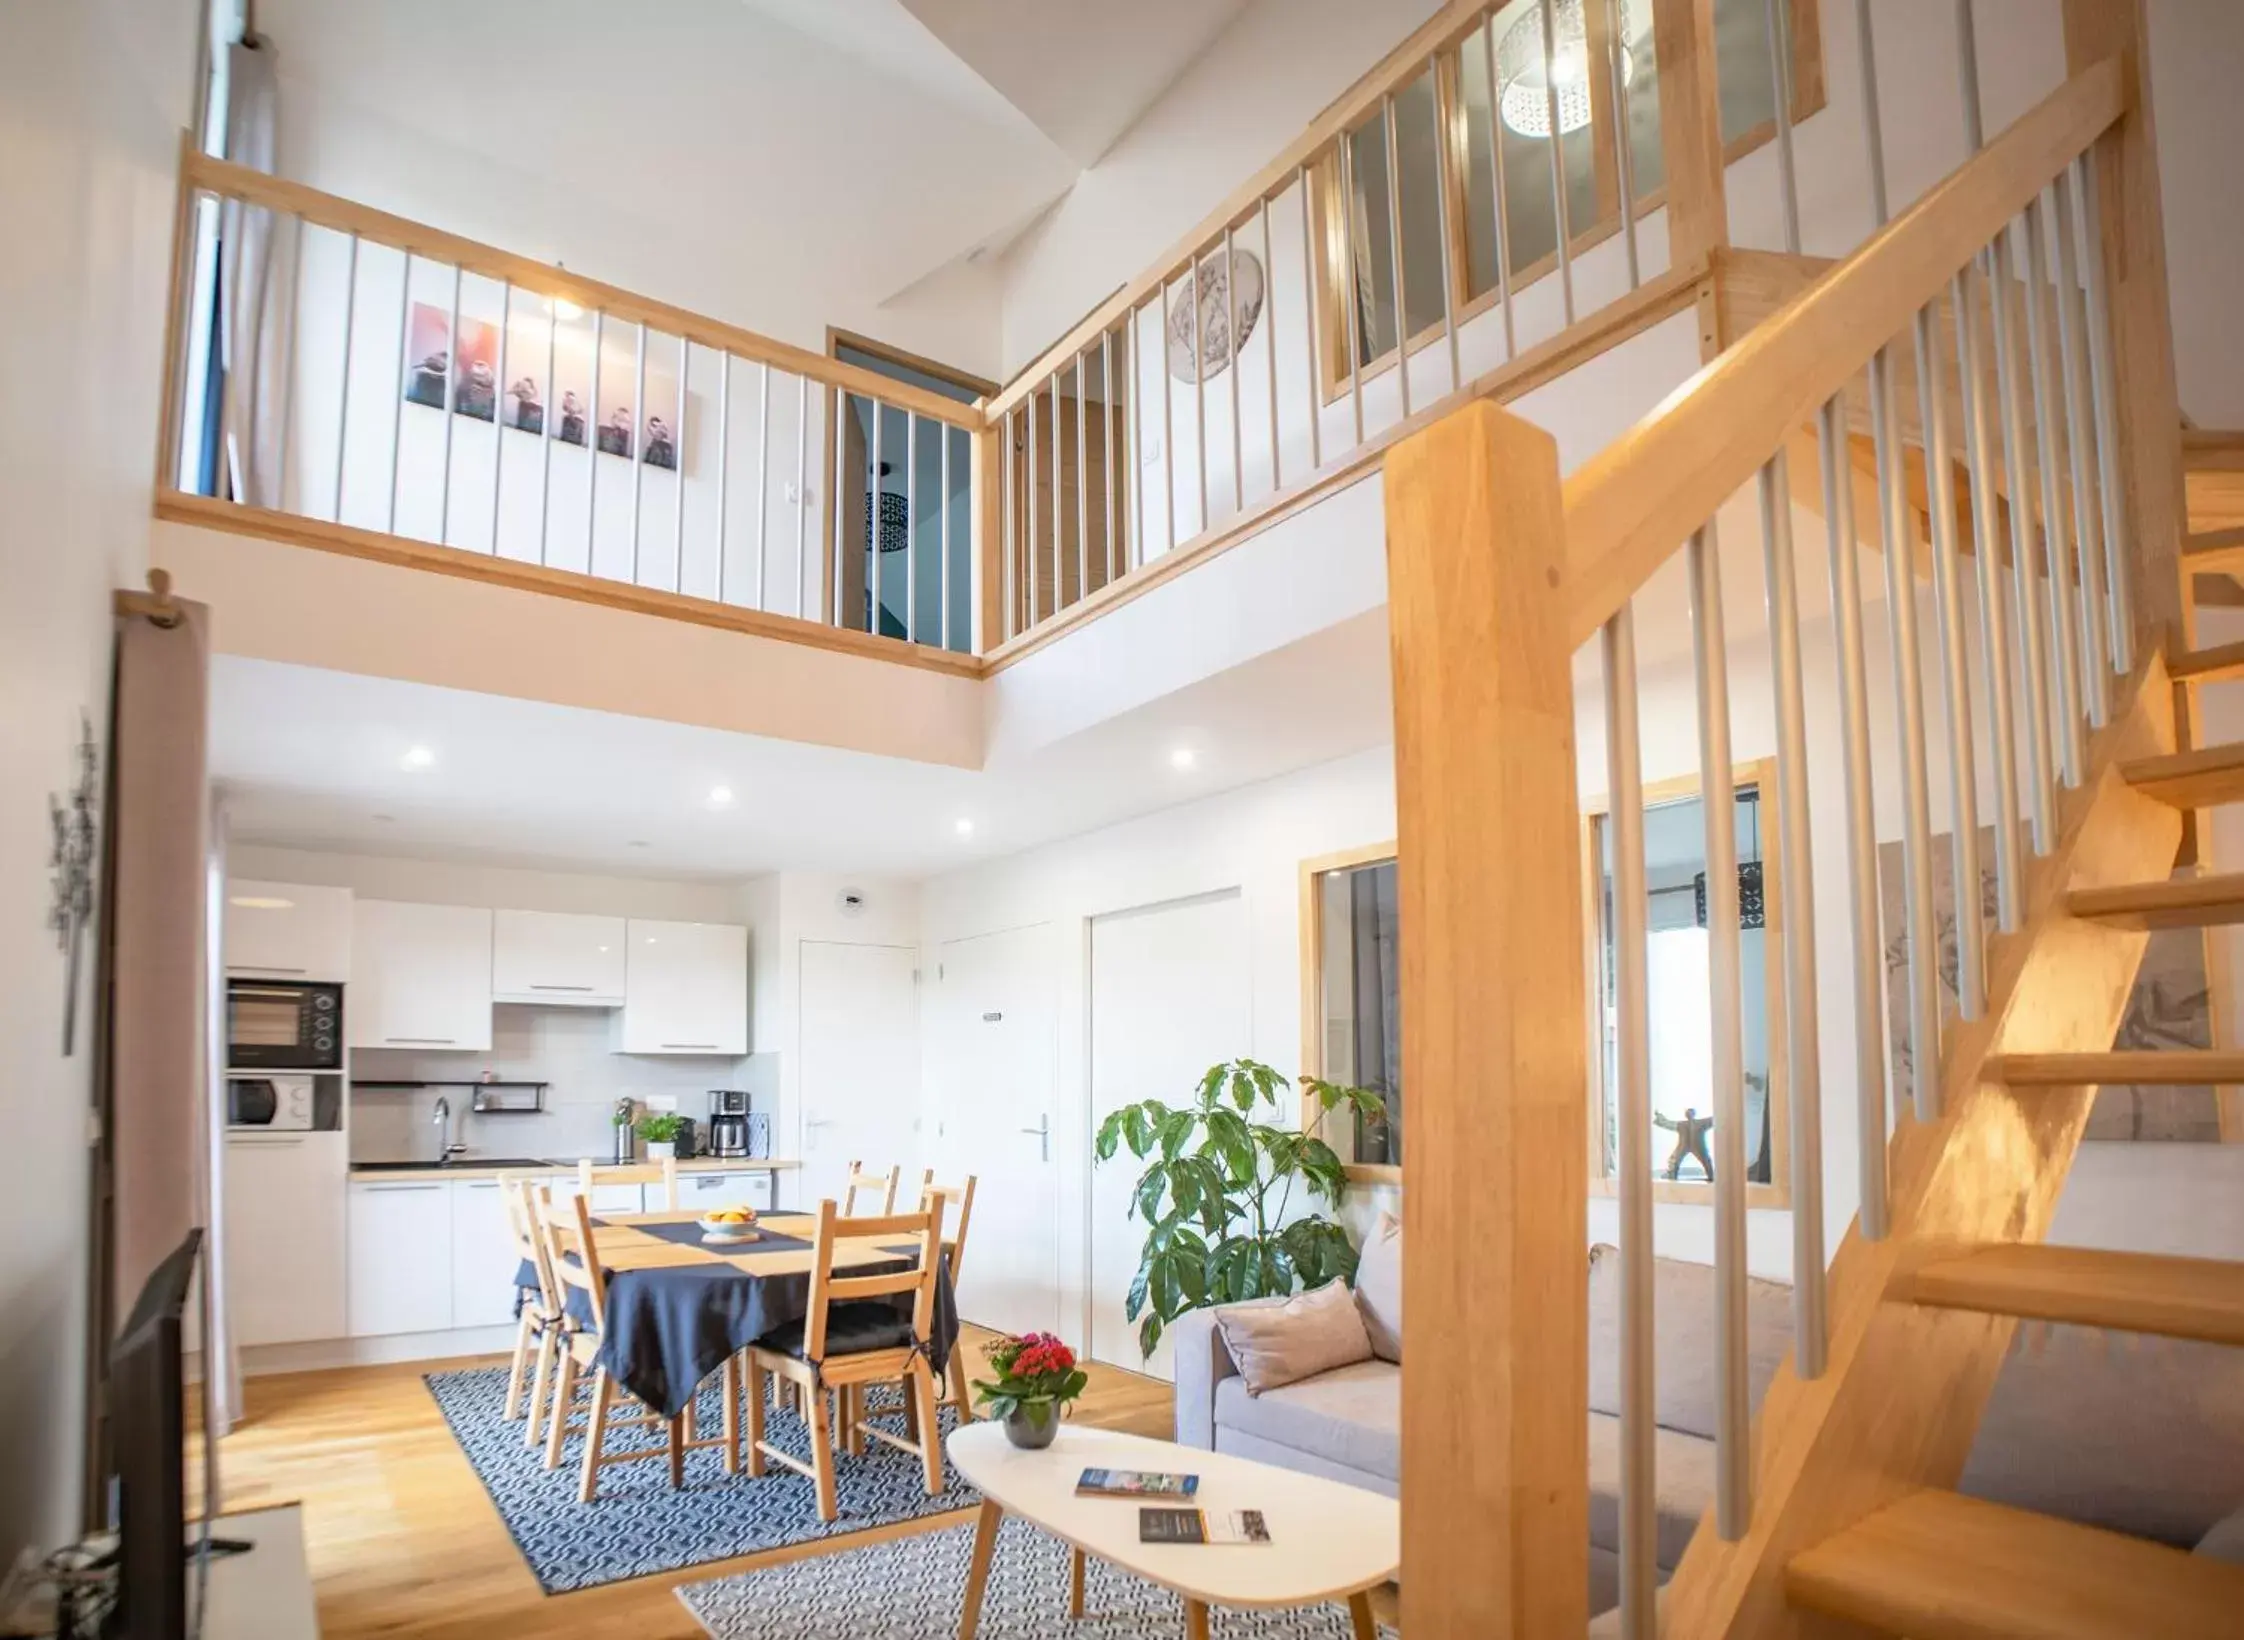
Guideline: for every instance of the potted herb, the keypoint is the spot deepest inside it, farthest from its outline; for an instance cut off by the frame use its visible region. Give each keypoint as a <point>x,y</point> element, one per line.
<point>1216,1235</point>
<point>660,1130</point>
<point>1036,1378</point>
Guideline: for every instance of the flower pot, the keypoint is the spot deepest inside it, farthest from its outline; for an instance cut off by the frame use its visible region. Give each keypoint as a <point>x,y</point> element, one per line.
<point>1032,1425</point>
<point>661,1150</point>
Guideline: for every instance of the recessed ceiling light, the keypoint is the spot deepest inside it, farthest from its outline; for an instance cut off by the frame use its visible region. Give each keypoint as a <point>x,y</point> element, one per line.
<point>720,797</point>
<point>638,842</point>
<point>417,757</point>
<point>964,827</point>
<point>1184,757</point>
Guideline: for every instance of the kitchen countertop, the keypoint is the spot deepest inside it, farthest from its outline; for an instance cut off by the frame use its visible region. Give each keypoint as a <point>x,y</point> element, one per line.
<point>469,1168</point>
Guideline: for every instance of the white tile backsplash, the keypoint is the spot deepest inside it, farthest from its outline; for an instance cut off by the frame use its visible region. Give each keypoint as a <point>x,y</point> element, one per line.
<point>570,1048</point>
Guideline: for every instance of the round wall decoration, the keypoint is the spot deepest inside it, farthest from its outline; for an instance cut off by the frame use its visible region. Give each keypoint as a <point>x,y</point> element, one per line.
<point>1210,288</point>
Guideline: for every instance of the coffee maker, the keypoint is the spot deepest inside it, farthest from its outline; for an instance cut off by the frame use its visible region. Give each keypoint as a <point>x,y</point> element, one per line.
<point>728,1122</point>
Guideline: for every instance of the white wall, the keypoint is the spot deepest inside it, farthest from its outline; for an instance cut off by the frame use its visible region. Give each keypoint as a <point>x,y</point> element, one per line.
<point>91,99</point>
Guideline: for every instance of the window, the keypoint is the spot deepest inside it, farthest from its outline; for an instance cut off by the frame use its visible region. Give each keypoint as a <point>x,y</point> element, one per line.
<point>1678,991</point>
<point>1499,145</point>
<point>1352,995</point>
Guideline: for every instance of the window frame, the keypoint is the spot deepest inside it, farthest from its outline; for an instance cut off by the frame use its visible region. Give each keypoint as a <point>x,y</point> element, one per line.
<point>1604,1175</point>
<point>1312,997</point>
<point>1334,343</point>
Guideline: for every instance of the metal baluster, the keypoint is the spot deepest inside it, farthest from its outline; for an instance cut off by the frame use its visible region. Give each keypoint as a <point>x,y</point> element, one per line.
<point>592,438</point>
<point>1780,82</point>
<point>451,404</point>
<point>397,436</point>
<point>1718,805</point>
<point>1199,401</point>
<point>1270,340</point>
<point>1633,1119</point>
<point>1502,226</point>
<point>943,540</point>
<point>1448,241</point>
<point>1967,64</point>
<point>1231,341</point>
<point>1110,500</point>
<point>1355,317</point>
<point>2079,430</point>
<point>678,478</point>
<point>1994,634</point>
<point>1395,251</point>
<point>1560,208</point>
<point>1862,824</point>
<point>498,412</point>
<point>343,415</point>
<point>724,468</point>
<point>1624,148</point>
<point>911,524</point>
<point>1309,325</point>
<point>1947,609</point>
<point>1059,519</point>
<point>288,384</point>
<point>1168,424</point>
<point>1029,514</point>
<point>635,449</point>
<point>1082,481</point>
<point>876,527</point>
<point>1873,133</point>
<point>1133,525</point>
<point>802,489</point>
<point>1011,535</point>
<point>546,412</point>
<point>834,504</point>
<point>2118,556</point>
<point>2032,656</point>
<point>2064,624</point>
<point>1908,678</point>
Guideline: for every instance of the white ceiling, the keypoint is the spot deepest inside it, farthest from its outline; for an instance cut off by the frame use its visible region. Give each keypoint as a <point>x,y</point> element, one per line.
<point>315,759</point>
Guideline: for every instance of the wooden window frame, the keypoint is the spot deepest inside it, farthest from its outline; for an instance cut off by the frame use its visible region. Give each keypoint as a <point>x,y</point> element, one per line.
<point>838,338</point>
<point>1604,1178</point>
<point>1335,345</point>
<point>1312,993</point>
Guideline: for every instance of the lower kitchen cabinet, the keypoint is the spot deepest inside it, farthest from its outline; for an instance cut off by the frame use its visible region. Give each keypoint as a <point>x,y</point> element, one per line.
<point>401,1257</point>
<point>484,1257</point>
<point>699,1192</point>
<point>285,1236</point>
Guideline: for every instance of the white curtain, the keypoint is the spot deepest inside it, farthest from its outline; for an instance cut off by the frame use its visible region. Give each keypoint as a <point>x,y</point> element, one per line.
<point>257,288</point>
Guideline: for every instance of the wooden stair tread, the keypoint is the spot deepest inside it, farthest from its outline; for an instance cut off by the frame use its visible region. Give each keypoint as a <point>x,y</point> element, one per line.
<point>2190,780</point>
<point>2214,665</point>
<point>2209,541</point>
<point>1939,1566</point>
<point>2132,1292</point>
<point>2154,1067</point>
<point>2181,902</point>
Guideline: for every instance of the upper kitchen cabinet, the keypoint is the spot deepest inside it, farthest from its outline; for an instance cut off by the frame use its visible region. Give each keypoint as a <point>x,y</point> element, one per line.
<point>686,989</point>
<point>420,976</point>
<point>288,931</point>
<point>552,957</point>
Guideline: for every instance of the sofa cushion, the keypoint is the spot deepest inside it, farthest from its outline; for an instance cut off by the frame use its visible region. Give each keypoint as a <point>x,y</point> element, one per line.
<point>1379,1287</point>
<point>1684,1465</point>
<point>1683,1330</point>
<point>1309,1333</point>
<point>2225,1541</point>
<point>1351,1415</point>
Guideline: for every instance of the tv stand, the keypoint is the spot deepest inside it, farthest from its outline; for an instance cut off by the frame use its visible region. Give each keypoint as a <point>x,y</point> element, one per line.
<point>260,1586</point>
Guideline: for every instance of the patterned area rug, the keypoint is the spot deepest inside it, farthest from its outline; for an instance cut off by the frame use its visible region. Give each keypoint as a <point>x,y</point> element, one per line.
<point>909,1588</point>
<point>638,1524</point>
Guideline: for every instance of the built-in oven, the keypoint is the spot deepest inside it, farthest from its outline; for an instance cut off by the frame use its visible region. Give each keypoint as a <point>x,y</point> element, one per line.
<point>281,1025</point>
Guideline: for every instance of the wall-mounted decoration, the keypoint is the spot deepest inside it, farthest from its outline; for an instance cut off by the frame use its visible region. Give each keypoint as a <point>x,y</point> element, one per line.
<point>478,355</point>
<point>71,864</point>
<point>1214,288</point>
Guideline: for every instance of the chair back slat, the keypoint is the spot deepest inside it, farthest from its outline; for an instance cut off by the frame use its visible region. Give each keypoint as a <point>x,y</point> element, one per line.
<point>882,1184</point>
<point>826,1288</point>
<point>572,1255</point>
<point>942,1198</point>
<point>525,1209</point>
<point>664,1173</point>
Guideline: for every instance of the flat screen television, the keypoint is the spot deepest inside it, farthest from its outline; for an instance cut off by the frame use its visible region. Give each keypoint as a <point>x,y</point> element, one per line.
<point>147,1414</point>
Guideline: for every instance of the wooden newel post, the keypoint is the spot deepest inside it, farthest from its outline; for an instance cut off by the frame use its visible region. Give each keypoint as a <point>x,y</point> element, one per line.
<point>985,476</point>
<point>1495,1461</point>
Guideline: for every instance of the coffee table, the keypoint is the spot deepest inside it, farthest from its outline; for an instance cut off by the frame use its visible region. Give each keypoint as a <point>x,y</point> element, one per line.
<point>1328,1541</point>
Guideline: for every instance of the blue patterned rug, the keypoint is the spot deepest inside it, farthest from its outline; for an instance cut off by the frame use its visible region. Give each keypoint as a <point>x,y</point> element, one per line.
<point>909,1588</point>
<point>638,1524</point>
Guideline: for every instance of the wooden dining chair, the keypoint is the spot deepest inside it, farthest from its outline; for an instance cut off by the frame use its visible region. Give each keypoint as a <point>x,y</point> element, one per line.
<point>573,1257</point>
<point>664,1173</point>
<point>853,1335</point>
<point>859,1179</point>
<point>941,1199</point>
<point>540,1315</point>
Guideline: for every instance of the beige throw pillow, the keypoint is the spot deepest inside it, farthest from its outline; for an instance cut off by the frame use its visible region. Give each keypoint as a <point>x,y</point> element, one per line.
<point>1311,1332</point>
<point>1379,1287</point>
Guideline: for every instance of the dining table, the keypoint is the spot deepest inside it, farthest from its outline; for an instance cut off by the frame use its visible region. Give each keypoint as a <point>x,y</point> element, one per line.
<point>679,1305</point>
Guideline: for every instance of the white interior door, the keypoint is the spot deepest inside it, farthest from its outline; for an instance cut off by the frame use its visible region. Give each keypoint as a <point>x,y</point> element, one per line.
<point>995,1062</point>
<point>859,1081</point>
<point>1169,998</point>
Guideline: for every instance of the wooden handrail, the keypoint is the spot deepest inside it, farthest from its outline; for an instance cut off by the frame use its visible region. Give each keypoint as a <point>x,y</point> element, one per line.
<point>222,177</point>
<point>1630,506</point>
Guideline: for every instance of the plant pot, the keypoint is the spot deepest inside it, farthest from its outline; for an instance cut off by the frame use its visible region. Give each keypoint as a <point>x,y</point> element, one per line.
<point>659,1150</point>
<point>1032,1424</point>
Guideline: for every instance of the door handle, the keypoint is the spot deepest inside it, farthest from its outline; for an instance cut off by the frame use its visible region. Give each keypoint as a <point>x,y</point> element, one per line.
<point>1043,1132</point>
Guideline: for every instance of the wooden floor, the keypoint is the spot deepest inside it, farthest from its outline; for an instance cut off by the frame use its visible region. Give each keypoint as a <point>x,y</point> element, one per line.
<point>404,1541</point>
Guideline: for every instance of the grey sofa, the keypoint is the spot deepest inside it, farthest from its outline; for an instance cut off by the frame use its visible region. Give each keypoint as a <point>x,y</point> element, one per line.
<point>2144,1436</point>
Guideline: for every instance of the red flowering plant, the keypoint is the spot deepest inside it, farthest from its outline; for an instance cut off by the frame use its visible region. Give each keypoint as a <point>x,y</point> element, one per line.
<point>1036,1374</point>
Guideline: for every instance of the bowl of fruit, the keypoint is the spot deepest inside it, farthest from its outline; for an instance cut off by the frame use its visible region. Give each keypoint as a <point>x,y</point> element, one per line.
<point>722,1225</point>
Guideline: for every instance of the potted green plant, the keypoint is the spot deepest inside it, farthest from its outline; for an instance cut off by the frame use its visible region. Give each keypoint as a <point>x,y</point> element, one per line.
<point>660,1130</point>
<point>1215,1234</point>
<point>1036,1378</point>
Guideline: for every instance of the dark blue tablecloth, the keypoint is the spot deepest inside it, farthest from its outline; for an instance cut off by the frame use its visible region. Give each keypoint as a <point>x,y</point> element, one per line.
<point>670,1328</point>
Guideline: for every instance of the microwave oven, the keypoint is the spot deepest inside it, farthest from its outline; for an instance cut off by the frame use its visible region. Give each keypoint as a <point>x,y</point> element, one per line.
<point>277,1104</point>
<point>281,1025</point>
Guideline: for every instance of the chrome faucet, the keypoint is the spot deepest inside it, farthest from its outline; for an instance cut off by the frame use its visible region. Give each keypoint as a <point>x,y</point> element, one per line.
<point>445,1150</point>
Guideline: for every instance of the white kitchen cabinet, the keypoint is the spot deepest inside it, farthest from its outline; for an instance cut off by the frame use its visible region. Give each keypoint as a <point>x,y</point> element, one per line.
<point>485,1260</point>
<point>288,931</point>
<point>557,958</point>
<point>284,1236</point>
<point>400,1262</point>
<point>611,1198</point>
<point>686,989</point>
<point>420,976</point>
<point>699,1192</point>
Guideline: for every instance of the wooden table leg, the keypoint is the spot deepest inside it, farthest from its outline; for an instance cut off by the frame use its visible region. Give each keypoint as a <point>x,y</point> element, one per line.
<point>978,1570</point>
<point>1075,1583</point>
<point>731,1402</point>
<point>1359,1616</point>
<point>1195,1620</point>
